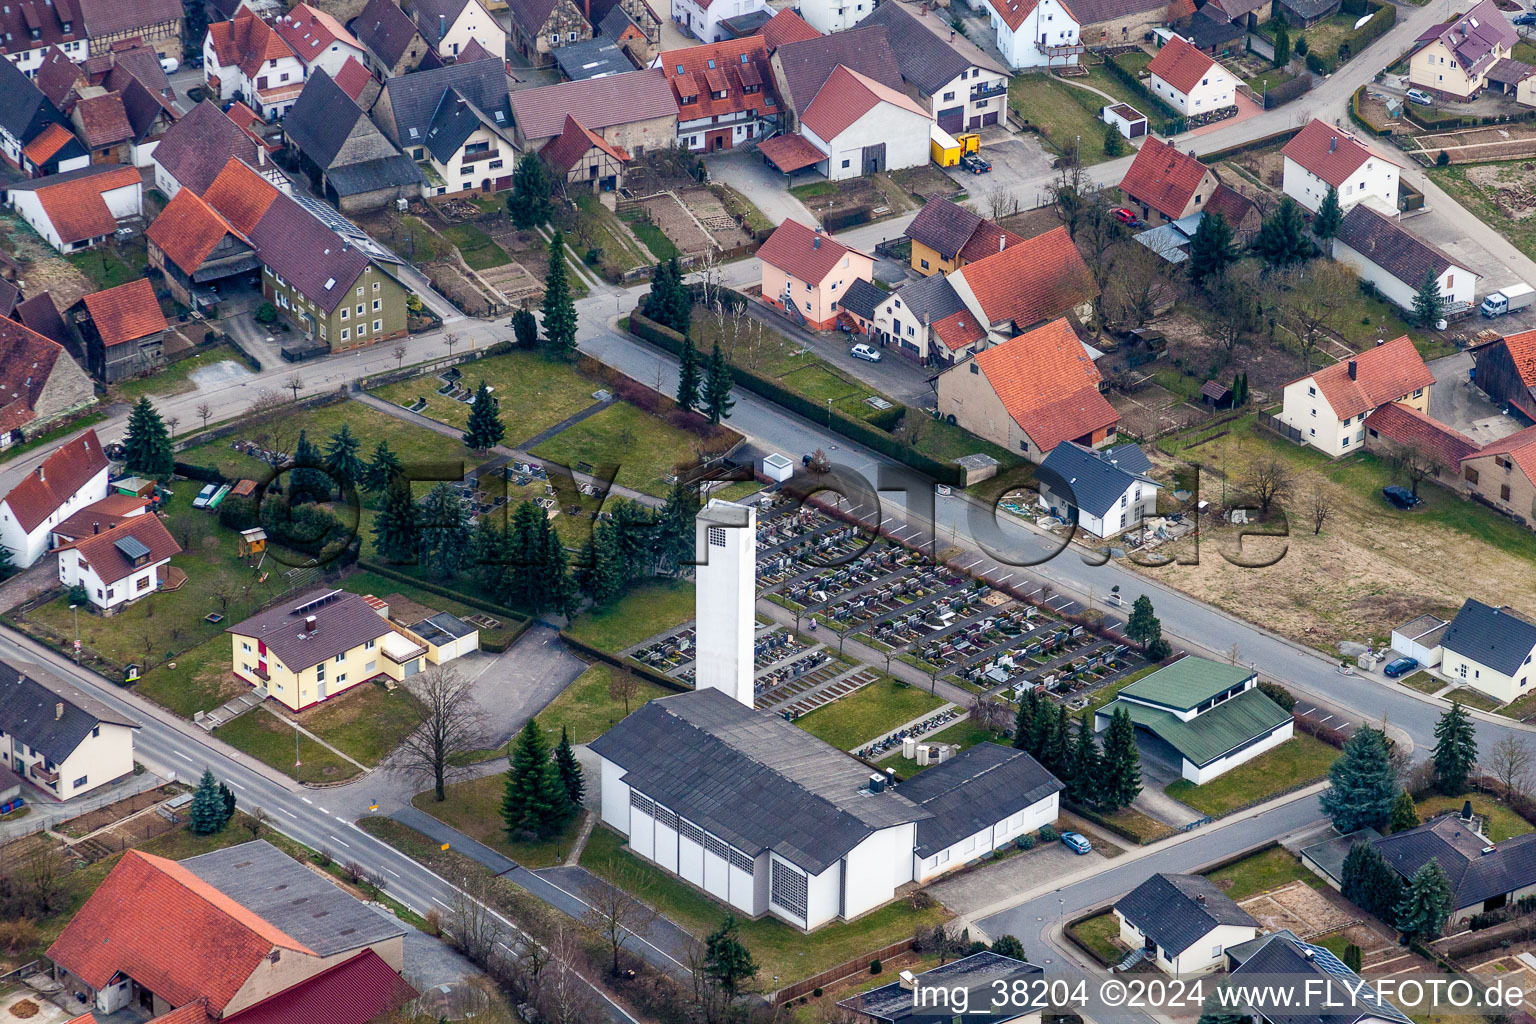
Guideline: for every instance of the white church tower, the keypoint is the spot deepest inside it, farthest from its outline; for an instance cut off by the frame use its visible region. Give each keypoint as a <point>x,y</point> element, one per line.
<point>725,540</point>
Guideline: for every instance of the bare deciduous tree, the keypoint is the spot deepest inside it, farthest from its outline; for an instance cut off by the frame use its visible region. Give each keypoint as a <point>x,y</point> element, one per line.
<point>204,410</point>
<point>1319,509</point>
<point>449,724</point>
<point>470,923</point>
<point>1310,300</point>
<point>565,997</point>
<point>1267,480</point>
<point>1417,463</point>
<point>451,339</point>
<point>255,822</point>
<point>615,911</point>
<point>623,686</point>
<point>44,875</point>
<point>399,353</point>
<point>1231,311</point>
<point>1510,761</point>
<point>171,423</point>
<point>1141,281</point>
<point>294,383</point>
<point>1002,203</point>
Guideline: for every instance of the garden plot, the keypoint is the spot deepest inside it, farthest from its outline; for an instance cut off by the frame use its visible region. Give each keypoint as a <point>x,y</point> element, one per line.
<point>1513,141</point>
<point>1154,410</point>
<point>711,212</point>
<point>675,220</point>
<point>1299,907</point>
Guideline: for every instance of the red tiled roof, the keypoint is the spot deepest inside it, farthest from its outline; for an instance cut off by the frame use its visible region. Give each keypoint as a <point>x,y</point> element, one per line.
<point>353,77</point>
<point>247,42</point>
<point>1383,374</point>
<point>84,1018</point>
<point>48,142</point>
<point>103,120</point>
<point>354,991</point>
<point>1037,279</point>
<point>959,330</point>
<point>987,239</point>
<point>1163,178</point>
<point>60,476</point>
<point>195,1012</point>
<point>188,229</point>
<point>76,208</point>
<point>1329,152</point>
<point>1013,12</point>
<point>1407,426</point>
<point>1181,64</point>
<point>309,32</point>
<point>786,27</point>
<point>1522,352</point>
<point>1233,206</point>
<point>564,150</point>
<point>723,67</point>
<point>126,313</point>
<point>240,195</point>
<point>170,931</point>
<point>790,152</point>
<point>802,253</point>
<point>1048,384</point>
<point>848,96</point>
<point>101,552</point>
<point>107,513</point>
<point>1520,447</point>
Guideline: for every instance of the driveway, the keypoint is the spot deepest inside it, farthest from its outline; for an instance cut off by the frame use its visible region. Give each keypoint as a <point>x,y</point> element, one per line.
<point>1455,402</point>
<point>1158,769</point>
<point>745,171</point>
<point>980,887</point>
<point>1019,165</point>
<point>513,687</point>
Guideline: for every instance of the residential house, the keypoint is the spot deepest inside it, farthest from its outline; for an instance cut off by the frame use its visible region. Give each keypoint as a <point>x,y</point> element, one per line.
<point>355,80</point>
<point>155,23</point>
<point>1397,262</point>
<point>1035,33</point>
<point>132,72</point>
<point>1210,32</point>
<point>39,383</point>
<point>309,648</point>
<point>540,27</point>
<point>1165,185</point>
<point>247,59</point>
<point>123,331</point>
<point>858,305</point>
<point>1206,715</point>
<point>1485,875</point>
<point>1327,408</point>
<point>1505,370</point>
<point>319,41</point>
<point>1244,13</point>
<point>633,112</point>
<point>703,19</point>
<point>195,247</point>
<point>582,159</point>
<point>801,68</point>
<point>1323,155</point>
<point>1283,974</point>
<point>1030,393</point>
<point>786,27</point>
<point>244,934</point>
<point>1104,491</point>
<point>1395,428</point>
<point>449,26</point>
<point>806,272</point>
<point>79,209</point>
<point>1124,22</point>
<point>768,819</point>
<point>30,28</point>
<point>1242,214</point>
<point>1306,13</point>
<point>1503,476</point>
<point>58,738</point>
<point>194,150</point>
<point>639,36</point>
<point>926,321</point>
<point>109,512</point>
<point>121,565</point>
<point>1490,649</point>
<point>725,93</point>
<point>1191,82</point>
<point>347,158</point>
<point>1183,922</point>
<point>391,44</point>
<point>592,58</point>
<point>73,476</point>
<point>864,127</point>
<point>828,16</point>
<point>1026,284</point>
<point>979,972</point>
<point>455,122</point>
<point>101,122</point>
<point>946,236</point>
<point>34,135</point>
<point>1457,55</point>
<point>962,87</point>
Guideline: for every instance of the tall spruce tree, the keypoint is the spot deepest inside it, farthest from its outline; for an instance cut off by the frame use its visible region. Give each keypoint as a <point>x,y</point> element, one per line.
<point>382,468</point>
<point>1024,720</point>
<point>570,770</point>
<point>207,810</point>
<point>1370,883</point>
<point>1325,223</point>
<point>397,527</point>
<point>1211,250</point>
<point>559,308</point>
<point>1122,762</point>
<point>529,202</point>
<point>1058,756</point>
<point>717,387</point>
<point>1282,43</point>
<point>689,378</point>
<point>307,479</point>
<point>1428,302</point>
<point>728,963</point>
<point>147,445</point>
<point>489,560</point>
<point>342,461</point>
<point>1362,783</point>
<point>1042,735</point>
<point>1086,763</point>
<point>1455,750</point>
<point>1426,904</point>
<point>534,799</point>
<point>1282,237</point>
<point>484,429</point>
<point>443,538</point>
<point>525,328</point>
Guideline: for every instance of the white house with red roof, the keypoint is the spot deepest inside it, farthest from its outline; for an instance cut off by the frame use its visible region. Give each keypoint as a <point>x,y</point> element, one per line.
<point>74,476</point>
<point>123,564</point>
<point>1189,81</point>
<point>806,272</point>
<point>318,40</point>
<point>1034,33</point>
<point>1328,408</point>
<point>865,127</point>
<point>247,59</point>
<point>1323,155</point>
<point>725,93</point>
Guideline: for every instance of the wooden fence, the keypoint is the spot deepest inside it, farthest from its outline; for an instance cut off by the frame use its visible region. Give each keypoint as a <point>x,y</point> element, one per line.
<point>847,969</point>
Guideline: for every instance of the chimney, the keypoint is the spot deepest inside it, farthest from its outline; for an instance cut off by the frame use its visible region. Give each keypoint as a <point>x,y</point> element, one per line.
<point>1354,370</point>
<point>951,35</point>
<point>907,980</point>
<point>1200,898</point>
<point>58,711</point>
<point>1333,143</point>
<point>95,527</point>
<point>309,624</point>
<point>442,25</point>
<point>41,475</point>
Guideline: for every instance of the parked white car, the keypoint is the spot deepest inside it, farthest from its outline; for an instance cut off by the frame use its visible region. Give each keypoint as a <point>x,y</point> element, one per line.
<point>170,65</point>
<point>865,353</point>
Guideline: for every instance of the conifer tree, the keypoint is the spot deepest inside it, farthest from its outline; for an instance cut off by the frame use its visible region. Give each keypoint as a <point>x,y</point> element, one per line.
<point>207,810</point>
<point>728,963</point>
<point>559,309</point>
<point>1455,750</point>
<point>525,328</point>
<point>1024,720</point>
<point>341,458</point>
<point>382,468</point>
<point>534,799</point>
<point>1362,786</point>
<point>485,429</point>
<point>147,445</point>
<point>1282,237</point>
<point>1404,814</point>
<point>1211,250</point>
<point>397,527</point>
<point>570,770</point>
<point>1058,755</point>
<point>529,201</point>
<point>1086,764</point>
<point>1325,223</point>
<point>307,480</point>
<point>717,388</point>
<point>1428,303</point>
<point>443,538</point>
<point>1122,762</point>
<point>1426,904</point>
<point>688,377</point>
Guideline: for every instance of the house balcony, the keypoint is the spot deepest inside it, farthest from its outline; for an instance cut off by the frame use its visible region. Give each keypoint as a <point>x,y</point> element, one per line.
<point>1062,50</point>
<point>984,92</point>
<point>37,771</point>
<point>474,158</point>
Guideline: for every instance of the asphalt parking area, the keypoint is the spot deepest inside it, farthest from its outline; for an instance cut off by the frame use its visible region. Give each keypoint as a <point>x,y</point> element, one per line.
<point>1018,164</point>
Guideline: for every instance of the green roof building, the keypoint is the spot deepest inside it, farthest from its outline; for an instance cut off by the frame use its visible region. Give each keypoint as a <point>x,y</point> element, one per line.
<point>1212,715</point>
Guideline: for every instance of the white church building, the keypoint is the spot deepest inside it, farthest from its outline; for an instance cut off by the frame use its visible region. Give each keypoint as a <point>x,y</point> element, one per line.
<point>767,818</point>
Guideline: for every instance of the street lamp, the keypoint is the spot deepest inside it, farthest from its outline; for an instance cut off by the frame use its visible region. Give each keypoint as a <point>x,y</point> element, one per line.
<point>76,609</point>
<point>829,413</point>
<point>296,761</point>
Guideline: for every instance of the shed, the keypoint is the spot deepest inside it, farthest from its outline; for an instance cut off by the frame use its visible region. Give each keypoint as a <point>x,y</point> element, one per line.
<point>1420,638</point>
<point>446,637</point>
<point>134,486</point>
<point>1129,121</point>
<point>252,541</point>
<point>1216,394</point>
<point>778,467</point>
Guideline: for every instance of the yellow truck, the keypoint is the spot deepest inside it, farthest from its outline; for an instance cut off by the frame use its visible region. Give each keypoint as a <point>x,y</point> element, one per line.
<point>947,149</point>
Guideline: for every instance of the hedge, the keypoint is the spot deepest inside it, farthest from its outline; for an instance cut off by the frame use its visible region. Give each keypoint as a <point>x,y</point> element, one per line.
<point>1171,122</point>
<point>862,431</point>
<point>624,664</point>
<point>1359,117</point>
<point>448,592</point>
<point>1384,18</point>
<point>203,474</point>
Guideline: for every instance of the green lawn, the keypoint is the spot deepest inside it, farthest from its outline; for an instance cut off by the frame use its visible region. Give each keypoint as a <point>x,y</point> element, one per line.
<point>479,250</point>
<point>1108,693</point>
<point>112,264</point>
<point>586,711</point>
<point>654,238</point>
<point>1423,682</point>
<point>50,436</point>
<point>365,722</point>
<point>813,189</point>
<point>474,808</point>
<point>1471,698</point>
<point>1484,203</point>
<point>1064,115</point>
<point>778,949</point>
<point>1261,872</point>
<point>868,712</point>
<point>269,740</point>
<point>174,379</point>
<point>643,611</point>
<point>1502,823</point>
<point>1098,933</point>
<point>647,449</point>
<point>1299,760</point>
<point>535,393</point>
<point>597,227</point>
<point>1273,78</point>
<point>1334,942</point>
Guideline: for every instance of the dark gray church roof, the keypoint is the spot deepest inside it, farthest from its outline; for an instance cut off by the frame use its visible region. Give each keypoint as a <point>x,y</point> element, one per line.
<point>1176,911</point>
<point>974,790</point>
<point>752,779</point>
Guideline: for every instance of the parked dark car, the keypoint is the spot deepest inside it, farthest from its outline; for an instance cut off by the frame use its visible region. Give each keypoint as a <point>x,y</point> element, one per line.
<point>1402,666</point>
<point>975,164</point>
<point>1528,18</point>
<point>1401,497</point>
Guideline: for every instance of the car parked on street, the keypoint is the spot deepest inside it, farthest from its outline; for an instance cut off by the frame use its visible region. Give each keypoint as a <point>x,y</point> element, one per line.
<point>1077,843</point>
<point>1528,18</point>
<point>1402,666</point>
<point>865,353</point>
<point>1421,97</point>
<point>1400,496</point>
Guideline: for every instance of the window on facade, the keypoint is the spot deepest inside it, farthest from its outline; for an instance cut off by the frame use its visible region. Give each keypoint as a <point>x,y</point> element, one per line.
<point>788,888</point>
<point>1504,492</point>
<point>345,333</point>
<point>143,583</point>
<point>377,325</point>
<point>81,781</point>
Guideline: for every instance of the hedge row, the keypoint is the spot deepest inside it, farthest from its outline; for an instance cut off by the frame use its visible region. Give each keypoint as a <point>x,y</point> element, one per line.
<point>1352,44</point>
<point>623,664</point>
<point>862,431</point>
<point>1163,118</point>
<point>1359,117</point>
